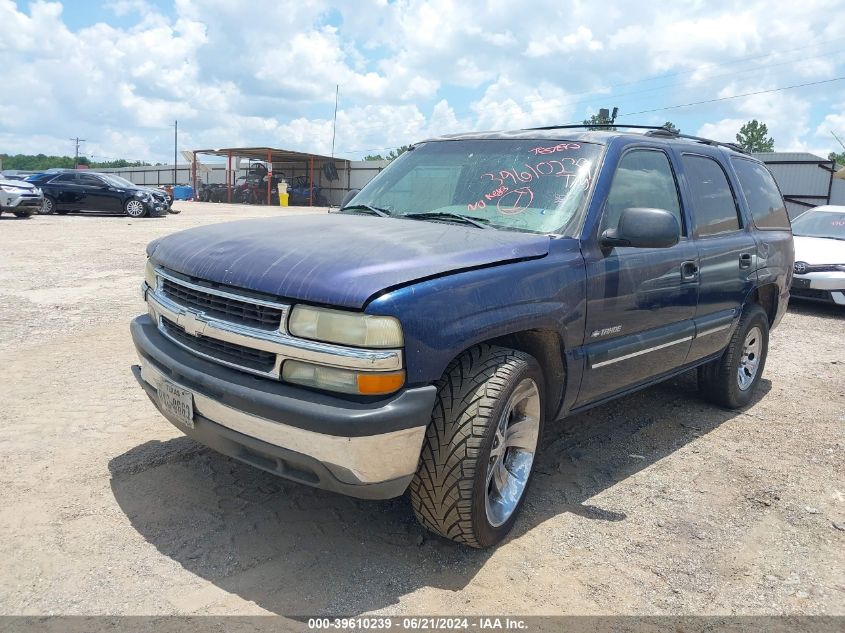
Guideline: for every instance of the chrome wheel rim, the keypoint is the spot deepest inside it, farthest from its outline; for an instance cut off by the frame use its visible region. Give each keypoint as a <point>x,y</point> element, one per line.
<point>47,206</point>
<point>749,363</point>
<point>512,452</point>
<point>135,208</point>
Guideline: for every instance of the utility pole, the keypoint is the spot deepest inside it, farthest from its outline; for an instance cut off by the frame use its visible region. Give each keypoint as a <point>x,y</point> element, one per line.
<point>175,145</point>
<point>334,124</point>
<point>77,140</point>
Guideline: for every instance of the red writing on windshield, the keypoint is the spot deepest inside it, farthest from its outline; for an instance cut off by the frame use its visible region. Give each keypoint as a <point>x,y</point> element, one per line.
<point>560,147</point>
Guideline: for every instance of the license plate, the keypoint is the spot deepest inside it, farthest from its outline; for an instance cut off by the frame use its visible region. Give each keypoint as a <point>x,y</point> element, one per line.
<point>800,283</point>
<point>177,402</point>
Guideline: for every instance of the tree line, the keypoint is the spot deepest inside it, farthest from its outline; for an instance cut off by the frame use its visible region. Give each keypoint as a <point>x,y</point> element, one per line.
<point>37,162</point>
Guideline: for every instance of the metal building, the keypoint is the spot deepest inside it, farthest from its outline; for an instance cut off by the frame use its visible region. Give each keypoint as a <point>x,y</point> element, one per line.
<point>805,180</point>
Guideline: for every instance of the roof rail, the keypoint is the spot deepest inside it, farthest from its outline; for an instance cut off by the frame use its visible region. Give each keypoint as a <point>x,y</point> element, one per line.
<point>662,131</point>
<point>653,130</point>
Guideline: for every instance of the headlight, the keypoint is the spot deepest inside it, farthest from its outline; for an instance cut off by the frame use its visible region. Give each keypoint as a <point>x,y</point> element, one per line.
<point>345,328</point>
<point>11,189</point>
<point>143,195</point>
<point>342,380</point>
<point>150,275</point>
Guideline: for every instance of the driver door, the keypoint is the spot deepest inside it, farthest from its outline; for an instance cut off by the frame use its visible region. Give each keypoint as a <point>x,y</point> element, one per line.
<point>641,302</point>
<point>96,192</point>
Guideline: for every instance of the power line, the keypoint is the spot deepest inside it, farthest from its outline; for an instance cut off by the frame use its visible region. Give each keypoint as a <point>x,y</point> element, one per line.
<point>686,105</point>
<point>745,94</point>
<point>609,96</point>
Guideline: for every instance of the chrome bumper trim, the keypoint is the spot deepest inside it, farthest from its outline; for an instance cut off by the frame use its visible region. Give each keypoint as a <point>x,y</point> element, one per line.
<point>370,459</point>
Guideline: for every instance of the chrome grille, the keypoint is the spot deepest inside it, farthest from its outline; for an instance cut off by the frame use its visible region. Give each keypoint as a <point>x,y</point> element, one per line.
<point>223,307</point>
<point>229,353</point>
<point>243,331</point>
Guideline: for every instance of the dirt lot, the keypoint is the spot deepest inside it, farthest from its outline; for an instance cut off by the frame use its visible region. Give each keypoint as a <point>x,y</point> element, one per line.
<point>657,503</point>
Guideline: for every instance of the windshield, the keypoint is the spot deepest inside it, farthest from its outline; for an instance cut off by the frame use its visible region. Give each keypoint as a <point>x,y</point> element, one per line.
<point>530,185</point>
<point>820,224</point>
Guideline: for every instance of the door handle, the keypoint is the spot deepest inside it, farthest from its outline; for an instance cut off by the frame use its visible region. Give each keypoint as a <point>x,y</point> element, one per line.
<point>745,260</point>
<point>689,271</point>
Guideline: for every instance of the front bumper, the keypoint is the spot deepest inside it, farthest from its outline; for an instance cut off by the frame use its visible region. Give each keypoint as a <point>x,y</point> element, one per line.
<point>828,287</point>
<point>362,449</point>
<point>18,201</point>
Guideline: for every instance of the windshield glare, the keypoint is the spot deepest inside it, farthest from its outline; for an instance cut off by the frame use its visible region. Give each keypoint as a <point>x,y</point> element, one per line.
<point>530,185</point>
<point>820,224</point>
<point>118,181</point>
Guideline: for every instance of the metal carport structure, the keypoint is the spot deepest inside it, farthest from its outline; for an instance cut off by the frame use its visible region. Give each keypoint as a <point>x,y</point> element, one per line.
<point>276,160</point>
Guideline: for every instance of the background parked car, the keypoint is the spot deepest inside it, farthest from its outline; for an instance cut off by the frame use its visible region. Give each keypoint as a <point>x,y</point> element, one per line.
<point>20,197</point>
<point>88,191</point>
<point>820,255</point>
<point>129,184</point>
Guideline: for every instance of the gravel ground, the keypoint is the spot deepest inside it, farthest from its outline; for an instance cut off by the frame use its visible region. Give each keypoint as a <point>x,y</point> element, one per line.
<point>654,504</point>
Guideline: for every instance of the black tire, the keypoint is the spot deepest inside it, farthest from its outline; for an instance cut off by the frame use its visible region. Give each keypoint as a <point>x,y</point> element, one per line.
<point>449,489</point>
<point>24,214</point>
<point>719,380</point>
<point>48,206</point>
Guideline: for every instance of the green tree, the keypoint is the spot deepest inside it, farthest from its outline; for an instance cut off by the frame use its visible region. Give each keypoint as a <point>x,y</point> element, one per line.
<point>598,119</point>
<point>672,127</point>
<point>394,153</point>
<point>838,157</point>
<point>753,137</point>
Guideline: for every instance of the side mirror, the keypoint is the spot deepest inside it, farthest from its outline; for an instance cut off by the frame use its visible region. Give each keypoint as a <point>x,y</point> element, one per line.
<point>641,227</point>
<point>348,197</point>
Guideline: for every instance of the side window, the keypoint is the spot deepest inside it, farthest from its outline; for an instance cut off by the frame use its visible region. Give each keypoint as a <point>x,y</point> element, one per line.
<point>65,178</point>
<point>88,179</point>
<point>643,178</point>
<point>713,205</point>
<point>762,195</point>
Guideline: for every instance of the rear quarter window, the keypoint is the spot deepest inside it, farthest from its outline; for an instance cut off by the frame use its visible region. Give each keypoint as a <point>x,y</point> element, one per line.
<point>762,195</point>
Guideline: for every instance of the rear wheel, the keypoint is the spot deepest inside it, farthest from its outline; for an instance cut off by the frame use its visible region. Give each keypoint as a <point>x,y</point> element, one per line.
<point>135,208</point>
<point>478,455</point>
<point>730,381</point>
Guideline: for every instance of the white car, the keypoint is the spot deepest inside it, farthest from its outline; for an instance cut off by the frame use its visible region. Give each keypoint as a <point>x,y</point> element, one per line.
<point>20,197</point>
<point>820,255</point>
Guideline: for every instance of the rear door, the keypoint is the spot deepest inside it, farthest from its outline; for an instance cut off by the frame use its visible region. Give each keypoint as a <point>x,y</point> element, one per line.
<point>640,301</point>
<point>727,252</point>
<point>67,191</point>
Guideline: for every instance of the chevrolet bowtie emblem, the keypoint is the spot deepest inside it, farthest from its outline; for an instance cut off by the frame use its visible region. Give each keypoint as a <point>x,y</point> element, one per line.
<point>193,322</point>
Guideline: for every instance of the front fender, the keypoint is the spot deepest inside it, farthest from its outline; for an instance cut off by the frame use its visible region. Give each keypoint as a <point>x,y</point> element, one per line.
<point>443,317</point>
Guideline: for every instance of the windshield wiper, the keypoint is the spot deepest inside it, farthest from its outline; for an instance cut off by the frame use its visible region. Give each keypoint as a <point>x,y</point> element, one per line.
<point>481,223</point>
<point>382,213</point>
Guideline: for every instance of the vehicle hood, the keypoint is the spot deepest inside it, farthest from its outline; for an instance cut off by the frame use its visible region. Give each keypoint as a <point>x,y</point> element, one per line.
<point>819,250</point>
<point>336,259</point>
<point>21,184</point>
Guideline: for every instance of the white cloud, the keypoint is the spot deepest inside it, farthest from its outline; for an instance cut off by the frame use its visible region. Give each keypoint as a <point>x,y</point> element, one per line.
<point>233,72</point>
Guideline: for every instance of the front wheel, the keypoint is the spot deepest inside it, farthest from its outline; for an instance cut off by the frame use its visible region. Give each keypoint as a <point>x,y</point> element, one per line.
<point>478,455</point>
<point>48,205</point>
<point>135,209</point>
<point>731,380</point>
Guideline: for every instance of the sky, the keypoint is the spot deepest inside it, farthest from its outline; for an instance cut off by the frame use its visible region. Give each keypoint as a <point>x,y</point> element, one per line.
<point>264,72</point>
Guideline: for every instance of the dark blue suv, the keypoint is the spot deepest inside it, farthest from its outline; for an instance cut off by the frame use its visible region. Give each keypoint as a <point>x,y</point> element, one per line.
<point>481,286</point>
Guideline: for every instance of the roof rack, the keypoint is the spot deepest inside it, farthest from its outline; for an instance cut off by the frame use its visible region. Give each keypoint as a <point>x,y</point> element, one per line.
<point>653,130</point>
